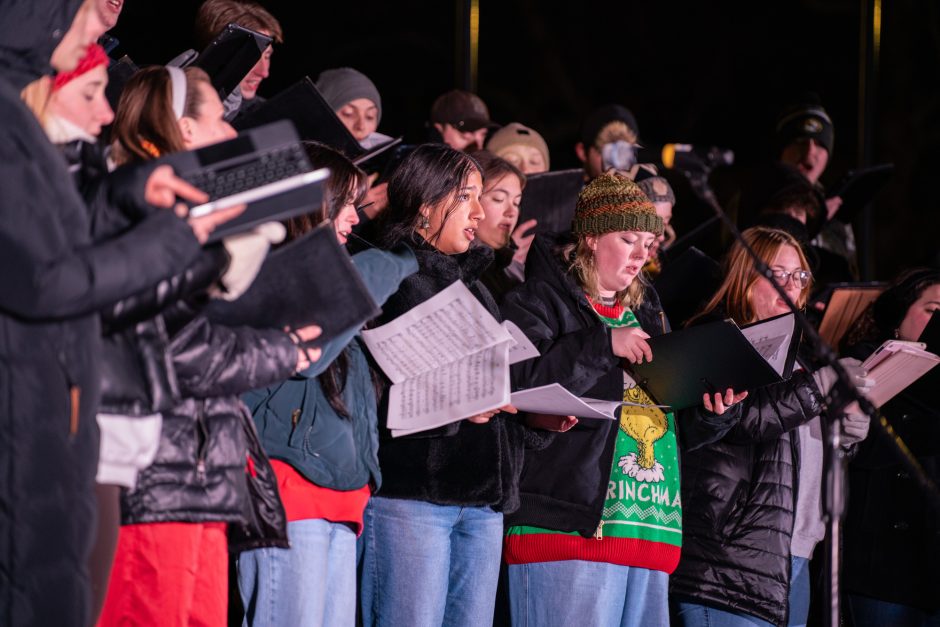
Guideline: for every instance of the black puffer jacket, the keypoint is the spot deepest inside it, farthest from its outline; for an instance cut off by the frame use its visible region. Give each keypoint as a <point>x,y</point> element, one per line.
<point>462,463</point>
<point>739,498</point>
<point>564,486</point>
<point>55,280</point>
<point>201,471</point>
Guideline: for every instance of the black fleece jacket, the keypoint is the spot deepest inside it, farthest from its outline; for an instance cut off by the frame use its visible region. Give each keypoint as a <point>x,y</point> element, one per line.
<point>462,463</point>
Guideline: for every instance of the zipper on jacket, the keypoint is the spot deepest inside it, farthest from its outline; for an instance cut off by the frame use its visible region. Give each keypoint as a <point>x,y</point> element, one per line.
<point>75,396</point>
<point>599,533</point>
<point>203,441</point>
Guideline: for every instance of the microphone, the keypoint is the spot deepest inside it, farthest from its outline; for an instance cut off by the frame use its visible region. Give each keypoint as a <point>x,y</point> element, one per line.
<point>622,155</point>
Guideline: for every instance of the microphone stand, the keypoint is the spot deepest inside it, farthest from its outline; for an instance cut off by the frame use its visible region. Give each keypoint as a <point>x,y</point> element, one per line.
<point>842,393</point>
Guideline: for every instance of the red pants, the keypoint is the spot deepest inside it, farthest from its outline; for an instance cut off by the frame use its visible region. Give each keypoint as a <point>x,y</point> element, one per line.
<point>171,574</point>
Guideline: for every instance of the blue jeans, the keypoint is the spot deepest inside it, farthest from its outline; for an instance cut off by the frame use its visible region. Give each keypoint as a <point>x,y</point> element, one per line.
<point>799,591</point>
<point>426,564</point>
<point>695,615</point>
<point>311,583</point>
<point>576,592</point>
<point>867,612</point>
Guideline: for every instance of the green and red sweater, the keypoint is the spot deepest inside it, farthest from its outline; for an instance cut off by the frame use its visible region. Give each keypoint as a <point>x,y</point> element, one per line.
<point>641,524</point>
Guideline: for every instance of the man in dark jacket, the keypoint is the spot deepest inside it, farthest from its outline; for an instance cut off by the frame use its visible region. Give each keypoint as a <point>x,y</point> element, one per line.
<point>54,280</point>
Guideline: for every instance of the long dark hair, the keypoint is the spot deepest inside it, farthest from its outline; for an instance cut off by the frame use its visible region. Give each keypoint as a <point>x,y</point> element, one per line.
<point>428,176</point>
<point>345,178</point>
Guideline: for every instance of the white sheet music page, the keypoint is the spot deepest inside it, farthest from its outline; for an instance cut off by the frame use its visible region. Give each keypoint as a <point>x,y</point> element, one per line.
<point>448,326</point>
<point>772,339</point>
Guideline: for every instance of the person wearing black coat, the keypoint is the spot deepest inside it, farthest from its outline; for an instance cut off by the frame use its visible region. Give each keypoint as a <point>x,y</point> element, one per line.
<point>433,532</point>
<point>600,505</point>
<point>892,534</point>
<point>55,279</point>
<point>740,493</point>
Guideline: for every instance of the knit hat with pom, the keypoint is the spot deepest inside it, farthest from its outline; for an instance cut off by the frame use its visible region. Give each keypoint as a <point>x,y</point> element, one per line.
<point>612,202</point>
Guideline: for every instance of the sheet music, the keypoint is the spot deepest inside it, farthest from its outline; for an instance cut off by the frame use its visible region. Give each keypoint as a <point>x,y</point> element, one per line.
<point>449,326</point>
<point>772,340</point>
<point>448,359</point>
<point>469,386</point>
<point>523,348</point>
<point>894,366</point>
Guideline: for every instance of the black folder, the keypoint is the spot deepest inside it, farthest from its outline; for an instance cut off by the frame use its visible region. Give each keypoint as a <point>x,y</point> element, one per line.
<point>550,198</point>
<point>119,72</point>
<point>311,280</point>
<point>230,56</point>
<point>858,187</point>
<point>713,357</point>
<point>302,104</point>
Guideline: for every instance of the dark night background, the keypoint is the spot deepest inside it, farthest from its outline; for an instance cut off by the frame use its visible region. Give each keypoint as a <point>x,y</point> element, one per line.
<point>698,72</point>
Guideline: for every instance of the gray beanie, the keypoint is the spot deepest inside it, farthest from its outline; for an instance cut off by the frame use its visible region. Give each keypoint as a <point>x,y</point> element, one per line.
<point>344,84</point>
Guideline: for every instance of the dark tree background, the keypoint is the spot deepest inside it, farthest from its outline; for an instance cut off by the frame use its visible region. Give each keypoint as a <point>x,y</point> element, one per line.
<point>697,72</point>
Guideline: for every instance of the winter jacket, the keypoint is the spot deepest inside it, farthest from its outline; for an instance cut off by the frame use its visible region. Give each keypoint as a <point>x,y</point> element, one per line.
<point>564,486</point>
<point>199,473</point>
<point>462,463</point>
<point>892,534</point>
<point>739,497</point>
<point>54,280</point>
<point>295,419</point>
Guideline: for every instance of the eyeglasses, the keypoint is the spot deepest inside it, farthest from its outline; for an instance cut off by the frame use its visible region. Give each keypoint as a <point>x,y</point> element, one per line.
<point>800,277</point>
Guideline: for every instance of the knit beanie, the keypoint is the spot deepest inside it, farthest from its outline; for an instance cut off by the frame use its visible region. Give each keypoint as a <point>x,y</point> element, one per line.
<point>515,134</point>
<point>807,119</point>
<point>342,85</point>
<point>598,119</point>
<point>94,56</point>
<point>612,202</point>
<point>656,188</point>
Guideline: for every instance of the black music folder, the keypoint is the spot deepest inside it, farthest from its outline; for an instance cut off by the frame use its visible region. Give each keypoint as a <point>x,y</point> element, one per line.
<point>311,280</point>
<point>230,56</point>
<point>550,197</point>
<point>302,104</point>
<point>715,356</point>
<point>859,187</point>
<point>119,72</point>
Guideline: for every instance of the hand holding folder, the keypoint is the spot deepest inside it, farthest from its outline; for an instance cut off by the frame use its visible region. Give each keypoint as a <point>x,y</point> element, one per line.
<point>712,357</point>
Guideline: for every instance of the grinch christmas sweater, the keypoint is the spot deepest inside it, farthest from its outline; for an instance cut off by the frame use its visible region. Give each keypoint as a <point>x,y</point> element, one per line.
<point>641,524</point>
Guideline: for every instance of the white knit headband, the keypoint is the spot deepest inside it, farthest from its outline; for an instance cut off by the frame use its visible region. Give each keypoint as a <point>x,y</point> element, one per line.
<point>177,90</point>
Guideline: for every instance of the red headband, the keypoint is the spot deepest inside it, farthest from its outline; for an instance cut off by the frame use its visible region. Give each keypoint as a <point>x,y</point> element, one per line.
<point>94,56</point>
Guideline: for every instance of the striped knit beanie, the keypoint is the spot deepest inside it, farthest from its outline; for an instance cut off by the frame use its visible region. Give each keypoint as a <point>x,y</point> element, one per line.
<point>612,202</point>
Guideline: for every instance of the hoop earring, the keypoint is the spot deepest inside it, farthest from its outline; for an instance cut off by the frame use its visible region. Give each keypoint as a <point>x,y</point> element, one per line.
<point>425,223</point>
<point>897,333</point>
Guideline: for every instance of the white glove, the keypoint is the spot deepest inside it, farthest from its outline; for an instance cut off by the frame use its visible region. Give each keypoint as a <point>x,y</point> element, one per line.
<point>826,377</point>
<point>247,252</point>
<point>854,428</point>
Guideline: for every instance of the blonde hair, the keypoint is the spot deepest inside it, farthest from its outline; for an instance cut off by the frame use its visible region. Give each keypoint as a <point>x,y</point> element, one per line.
<point>734,294</point>
<point>36,96</point>
<point>580,259</point>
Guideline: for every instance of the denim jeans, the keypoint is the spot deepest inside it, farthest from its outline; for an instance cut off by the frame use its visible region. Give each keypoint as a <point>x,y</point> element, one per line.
<point>429,565</point>
<point>311,583</point>
<point>868,612</point>
<point>575,592</point>
<point>799,591</point>
<point>695,615</point>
